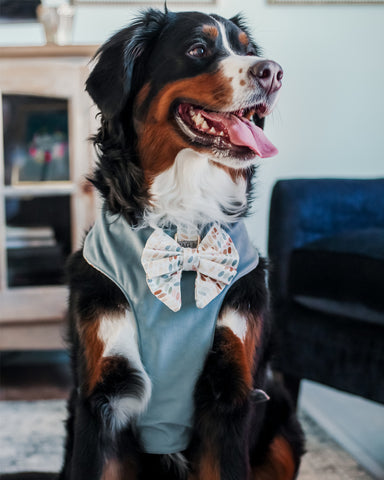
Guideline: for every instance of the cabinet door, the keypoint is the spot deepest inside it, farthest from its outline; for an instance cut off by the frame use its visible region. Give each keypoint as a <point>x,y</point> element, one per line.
<point>45,202</point>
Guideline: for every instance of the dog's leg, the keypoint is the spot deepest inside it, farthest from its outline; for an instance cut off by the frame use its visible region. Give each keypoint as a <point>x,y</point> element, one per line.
<point>231,418</point>
<point>233,422</point>
<point>114,369</point>
<point>223,397</point>
<point>278,442</point>
<point>115,389</point>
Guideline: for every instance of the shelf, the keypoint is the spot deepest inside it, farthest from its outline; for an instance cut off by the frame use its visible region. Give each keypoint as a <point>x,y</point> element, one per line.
<point>38,304</point>
<point>42,51</point>
<point>40,189</point>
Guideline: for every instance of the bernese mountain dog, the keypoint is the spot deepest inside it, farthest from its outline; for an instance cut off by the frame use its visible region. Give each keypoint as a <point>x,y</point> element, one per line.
<point>170,331</point>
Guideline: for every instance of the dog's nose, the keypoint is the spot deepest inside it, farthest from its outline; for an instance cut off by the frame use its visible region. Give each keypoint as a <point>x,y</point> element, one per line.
<point>268,74</point>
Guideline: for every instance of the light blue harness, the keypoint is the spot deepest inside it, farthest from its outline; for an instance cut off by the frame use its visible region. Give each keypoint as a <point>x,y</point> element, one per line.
<point>173,345</point>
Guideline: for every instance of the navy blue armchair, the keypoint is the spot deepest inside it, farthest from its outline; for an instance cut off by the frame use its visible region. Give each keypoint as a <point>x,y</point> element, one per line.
<point>326,247</point>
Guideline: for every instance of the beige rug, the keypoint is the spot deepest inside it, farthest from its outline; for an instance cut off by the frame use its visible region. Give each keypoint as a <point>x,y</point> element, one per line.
<point>32,434</point>
<point>325,459</point>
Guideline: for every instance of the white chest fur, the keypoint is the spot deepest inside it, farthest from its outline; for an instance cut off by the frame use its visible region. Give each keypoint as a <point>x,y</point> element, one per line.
<point>195,192</point>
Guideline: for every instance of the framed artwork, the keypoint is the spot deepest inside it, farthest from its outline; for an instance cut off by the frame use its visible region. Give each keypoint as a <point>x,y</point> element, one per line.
<point>326,2</point>
<point>35,140</point>
<point>18,10</point>
<point>156,3</point>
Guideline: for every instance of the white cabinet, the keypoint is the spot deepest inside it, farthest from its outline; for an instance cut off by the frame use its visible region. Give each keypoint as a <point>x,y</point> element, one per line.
<point>45,202</point>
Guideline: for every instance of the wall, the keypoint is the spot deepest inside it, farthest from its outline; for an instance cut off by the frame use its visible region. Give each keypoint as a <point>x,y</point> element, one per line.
<point>329,121</point>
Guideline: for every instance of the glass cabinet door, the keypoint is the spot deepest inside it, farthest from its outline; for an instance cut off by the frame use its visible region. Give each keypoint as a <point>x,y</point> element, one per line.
<point>38,239</point>
<point>46,204</point>
<point>35,139</point>
<point>37,221</point>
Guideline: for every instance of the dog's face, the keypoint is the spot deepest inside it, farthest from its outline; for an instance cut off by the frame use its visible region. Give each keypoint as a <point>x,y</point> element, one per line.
<point>205,84</point>
<point>178,81</point>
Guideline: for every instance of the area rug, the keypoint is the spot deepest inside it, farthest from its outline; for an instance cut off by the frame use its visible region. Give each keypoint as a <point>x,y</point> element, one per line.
<point>32,437</point>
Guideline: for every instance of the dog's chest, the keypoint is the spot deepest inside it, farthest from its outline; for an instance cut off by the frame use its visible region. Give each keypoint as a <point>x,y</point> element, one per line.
<point>173,345</point>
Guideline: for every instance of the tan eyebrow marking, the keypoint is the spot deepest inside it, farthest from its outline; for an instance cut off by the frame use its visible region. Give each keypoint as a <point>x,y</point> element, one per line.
<point>243,37</point>
<point>211,31</point>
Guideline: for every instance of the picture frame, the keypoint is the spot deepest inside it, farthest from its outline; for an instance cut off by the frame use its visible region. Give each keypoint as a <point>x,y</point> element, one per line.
<point>325,2</point>
<point>36,146</point>
<point>142,3</point>
<point>17,11</point>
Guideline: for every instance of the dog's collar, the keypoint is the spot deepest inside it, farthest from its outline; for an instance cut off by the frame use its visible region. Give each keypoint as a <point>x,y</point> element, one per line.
<point>187,243</point>
<point>187,238</point>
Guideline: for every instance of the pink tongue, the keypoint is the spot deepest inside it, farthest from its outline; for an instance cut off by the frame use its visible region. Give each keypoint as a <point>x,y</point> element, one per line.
<point>244,133</point>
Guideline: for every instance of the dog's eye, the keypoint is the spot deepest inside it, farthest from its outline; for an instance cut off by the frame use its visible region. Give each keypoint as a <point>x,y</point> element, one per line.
<point>198,51</point>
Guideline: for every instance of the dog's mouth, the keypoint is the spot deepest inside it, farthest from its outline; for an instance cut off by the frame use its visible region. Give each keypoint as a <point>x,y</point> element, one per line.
<point>231,134</point>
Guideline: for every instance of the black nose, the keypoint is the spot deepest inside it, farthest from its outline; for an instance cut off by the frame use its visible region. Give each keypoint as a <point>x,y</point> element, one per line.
<point>268,74</point>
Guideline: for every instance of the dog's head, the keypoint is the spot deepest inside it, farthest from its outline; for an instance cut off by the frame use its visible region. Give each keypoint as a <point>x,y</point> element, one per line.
<point>183,98</point>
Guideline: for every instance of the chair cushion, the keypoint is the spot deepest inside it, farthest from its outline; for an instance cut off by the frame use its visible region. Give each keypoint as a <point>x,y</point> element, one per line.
<point>343,274</point>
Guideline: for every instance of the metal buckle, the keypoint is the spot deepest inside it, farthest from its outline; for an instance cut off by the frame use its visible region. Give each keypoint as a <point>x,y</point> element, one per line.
<point>188,243</point>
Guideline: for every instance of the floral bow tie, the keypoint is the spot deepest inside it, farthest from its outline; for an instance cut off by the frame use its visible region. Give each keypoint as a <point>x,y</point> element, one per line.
<point>215,260</point>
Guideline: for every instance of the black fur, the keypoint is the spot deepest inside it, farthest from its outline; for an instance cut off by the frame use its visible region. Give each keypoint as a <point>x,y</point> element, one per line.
<point>113,84</point>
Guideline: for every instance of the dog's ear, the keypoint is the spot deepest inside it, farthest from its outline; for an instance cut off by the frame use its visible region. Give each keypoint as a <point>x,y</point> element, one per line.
<point>241,23</point>
<point>111,80</point>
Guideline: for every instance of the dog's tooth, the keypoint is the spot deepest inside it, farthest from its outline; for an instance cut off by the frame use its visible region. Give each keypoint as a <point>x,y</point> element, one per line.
<point>212,131</point>
<point>221,134</point>
<point>205,125</point>
<point>199,119</point>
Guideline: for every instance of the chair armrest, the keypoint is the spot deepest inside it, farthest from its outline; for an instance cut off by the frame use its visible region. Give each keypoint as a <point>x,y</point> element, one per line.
<point>304,210</point>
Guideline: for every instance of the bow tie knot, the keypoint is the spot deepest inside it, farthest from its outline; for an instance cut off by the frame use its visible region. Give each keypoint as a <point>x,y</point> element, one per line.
<point>215,261</point>
<point>191,259</point>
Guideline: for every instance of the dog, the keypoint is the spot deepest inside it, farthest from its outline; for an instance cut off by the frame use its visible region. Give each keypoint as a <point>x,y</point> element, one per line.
<point>169,324</point>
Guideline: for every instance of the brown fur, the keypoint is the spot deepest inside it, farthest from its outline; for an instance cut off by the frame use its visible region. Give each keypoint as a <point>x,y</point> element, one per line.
<point>243,37</point>
<point>211,31</point>
<point>116,470</point>
<point>234,352</point>
<point>252,341</point>
<point>94,348</point>
<point>279,464</point>
<point>157,155</point>
<point>208,466</point>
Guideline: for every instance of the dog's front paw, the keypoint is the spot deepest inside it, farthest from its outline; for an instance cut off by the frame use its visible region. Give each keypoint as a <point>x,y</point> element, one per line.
<point>123,394</point>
